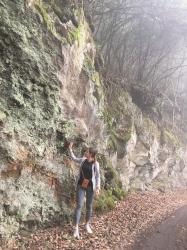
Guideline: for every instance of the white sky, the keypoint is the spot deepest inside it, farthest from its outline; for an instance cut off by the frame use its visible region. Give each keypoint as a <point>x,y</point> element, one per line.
<point>184,2</point>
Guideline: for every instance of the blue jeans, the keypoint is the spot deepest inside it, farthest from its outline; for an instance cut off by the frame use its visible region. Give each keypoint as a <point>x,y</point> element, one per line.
<point>80,193</point>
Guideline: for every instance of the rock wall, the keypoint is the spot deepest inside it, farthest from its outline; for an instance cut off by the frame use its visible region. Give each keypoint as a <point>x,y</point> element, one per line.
<point>146,157</point>
<point>50,92</point>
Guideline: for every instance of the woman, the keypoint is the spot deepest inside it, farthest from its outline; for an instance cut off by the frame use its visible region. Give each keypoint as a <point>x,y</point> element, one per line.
<point>88,182</point>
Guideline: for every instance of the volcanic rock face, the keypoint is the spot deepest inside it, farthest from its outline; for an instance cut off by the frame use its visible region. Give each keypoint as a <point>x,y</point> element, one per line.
<point>50,92</point>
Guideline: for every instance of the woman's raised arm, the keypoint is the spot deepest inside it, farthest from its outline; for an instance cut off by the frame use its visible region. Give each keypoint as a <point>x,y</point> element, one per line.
<point>76,159</point>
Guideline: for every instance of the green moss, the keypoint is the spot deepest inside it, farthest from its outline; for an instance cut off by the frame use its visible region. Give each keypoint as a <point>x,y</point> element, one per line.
<point>48,21</point>
<point>111,177</point>
<point>117,136</point>
<point>100,204</point>
<point>127,136</point>
<point>40,7</point>
<point>108,119</point>
<point>75,35</point>
<point>119,193</point>
<point>112,142</point>
<point>108,200</point>
<point>90,71</point>
<point>105,202</point>
<point>171,138</point>
<point>99,92</point>
<point>88,66</point>
<point>123,135</point>
<point>110,174</point>
<point>97,79</point>
<point>114,115</point>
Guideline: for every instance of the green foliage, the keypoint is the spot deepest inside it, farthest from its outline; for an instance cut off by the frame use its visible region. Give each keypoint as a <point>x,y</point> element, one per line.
<point>110,173</point>
<point>112,180</point>
<point>110,202</point>
<point>108,199</point>
<point>108,119</point>
<point>112,192</point>
<point>100,204</point>
<point>105,202</point>
<point>119,193</point>
<point>112,142</point>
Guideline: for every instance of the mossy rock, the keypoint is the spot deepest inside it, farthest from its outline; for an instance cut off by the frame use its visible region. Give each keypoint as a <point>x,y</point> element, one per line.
<point>48,20</point>
<point>170,138</point>
<point>110,174</point>
<point>118,135</point>
<point>88,67</point>
<point>117,140</point>
<point>111,177</point>
<point>108,200</point>
<point>95,77</point>
<point>147,127</point>
<point>52,12</point>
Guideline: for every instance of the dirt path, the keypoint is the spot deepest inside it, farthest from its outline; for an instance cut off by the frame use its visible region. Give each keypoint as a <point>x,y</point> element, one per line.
<point>171,234</point>
<point>117,230</point>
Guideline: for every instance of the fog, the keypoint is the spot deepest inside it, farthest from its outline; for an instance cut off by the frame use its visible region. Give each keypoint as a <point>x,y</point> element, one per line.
<point>144,45</point>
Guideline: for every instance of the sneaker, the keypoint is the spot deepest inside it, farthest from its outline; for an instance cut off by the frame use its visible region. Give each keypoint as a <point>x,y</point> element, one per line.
<point>76,234</point>
<point>88,229</point>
